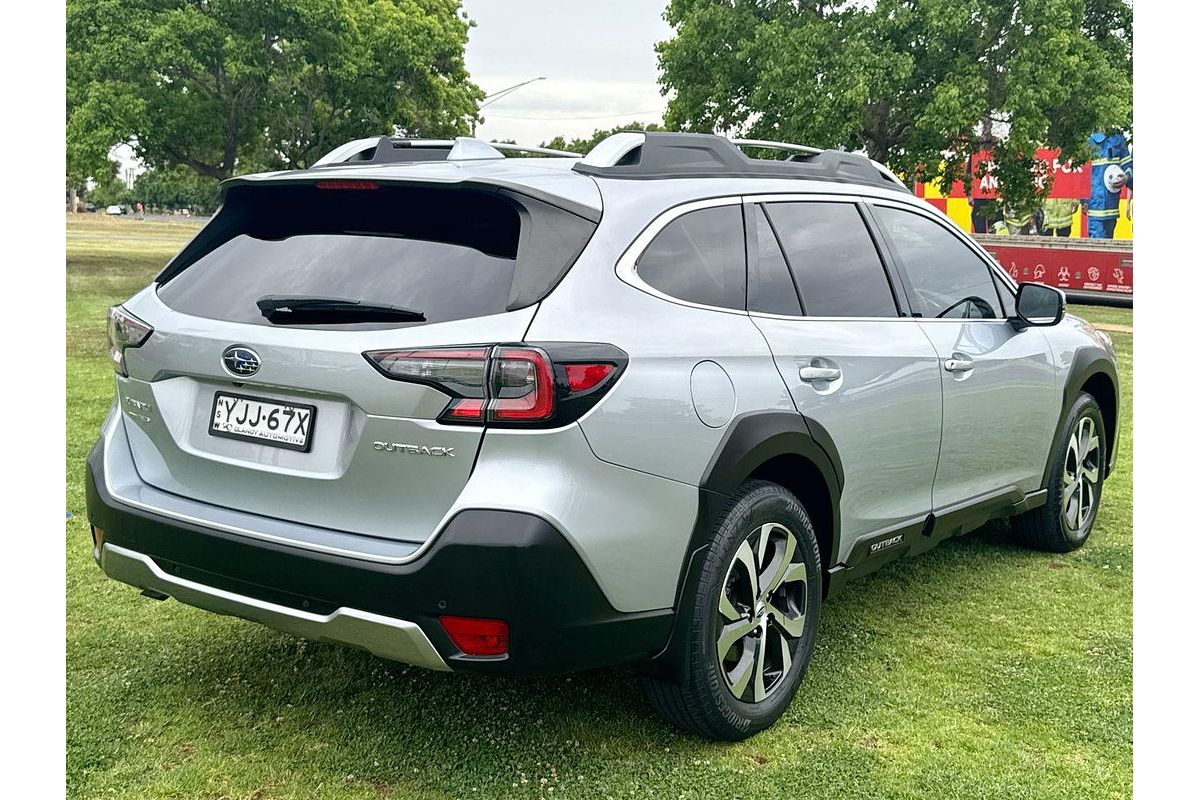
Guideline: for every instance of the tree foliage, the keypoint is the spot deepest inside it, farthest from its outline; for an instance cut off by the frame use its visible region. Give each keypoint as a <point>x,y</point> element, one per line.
<point>221,86</point>
<point>585,144</point>
<point>918,84</point>
<point>175,187</point>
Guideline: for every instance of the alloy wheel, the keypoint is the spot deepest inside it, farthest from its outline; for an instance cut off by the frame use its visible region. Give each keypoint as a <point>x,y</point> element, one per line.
<point>762,613</point>
<point>1081,477</point>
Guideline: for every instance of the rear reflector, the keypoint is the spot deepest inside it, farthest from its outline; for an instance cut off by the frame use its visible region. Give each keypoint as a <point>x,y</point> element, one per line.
<point>581,377</point>
<point>477,637</point>
<point>351,185</point>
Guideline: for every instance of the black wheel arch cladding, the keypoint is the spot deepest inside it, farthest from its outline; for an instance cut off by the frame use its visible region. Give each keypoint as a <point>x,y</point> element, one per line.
<point>1091,366</point>
<point>751,441</point>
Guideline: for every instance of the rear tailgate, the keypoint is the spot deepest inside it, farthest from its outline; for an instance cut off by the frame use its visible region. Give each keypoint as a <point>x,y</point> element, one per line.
<point>369,455</point>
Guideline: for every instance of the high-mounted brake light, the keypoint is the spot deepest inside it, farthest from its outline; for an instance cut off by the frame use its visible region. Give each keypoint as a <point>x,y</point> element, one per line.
<point>477,637</point>
<point>348,185</point>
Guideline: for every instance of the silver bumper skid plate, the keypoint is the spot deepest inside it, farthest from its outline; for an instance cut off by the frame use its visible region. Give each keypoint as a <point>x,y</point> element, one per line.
<point>386,637</point>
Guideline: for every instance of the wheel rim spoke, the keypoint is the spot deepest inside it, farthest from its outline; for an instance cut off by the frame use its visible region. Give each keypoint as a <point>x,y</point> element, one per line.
<point>760,668</point>
<point>773,573</point>
<point>1068,494</point>
<point>732,633</point>
<point>745,557</point>
<point>728,610</point>
<point>796,572</point>
<point>793,626</point>
<point>739,677</point>
<point>785,650</point>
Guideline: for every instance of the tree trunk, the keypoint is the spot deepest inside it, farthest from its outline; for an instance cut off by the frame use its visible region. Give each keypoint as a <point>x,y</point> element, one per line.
<point>74,200</point>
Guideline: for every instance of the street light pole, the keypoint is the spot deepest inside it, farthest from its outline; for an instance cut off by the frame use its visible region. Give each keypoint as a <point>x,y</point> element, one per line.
<point>500,95</point>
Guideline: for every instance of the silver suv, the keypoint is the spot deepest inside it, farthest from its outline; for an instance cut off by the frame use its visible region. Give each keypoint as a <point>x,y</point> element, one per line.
<point>540,414</point>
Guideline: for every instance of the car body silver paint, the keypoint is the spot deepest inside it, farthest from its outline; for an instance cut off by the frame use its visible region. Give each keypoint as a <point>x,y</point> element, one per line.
<point>713,395</point>
<point>648,422</point>
<point>631,529</point>
<point>990,438</point>
<point>125,485</point>
<point>986,409</point>
<point>884,414</point>
<point>343,483</point>
<point>620,484</point>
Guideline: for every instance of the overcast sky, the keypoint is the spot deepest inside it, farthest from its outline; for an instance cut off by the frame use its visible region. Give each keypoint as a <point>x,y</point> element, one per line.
<point>597,57</point>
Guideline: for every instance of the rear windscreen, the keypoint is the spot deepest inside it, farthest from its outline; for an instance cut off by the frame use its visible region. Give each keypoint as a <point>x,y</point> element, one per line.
<point>445,253</point>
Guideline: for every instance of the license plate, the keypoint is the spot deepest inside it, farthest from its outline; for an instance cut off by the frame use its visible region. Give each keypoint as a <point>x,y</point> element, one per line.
<point>252,419</point>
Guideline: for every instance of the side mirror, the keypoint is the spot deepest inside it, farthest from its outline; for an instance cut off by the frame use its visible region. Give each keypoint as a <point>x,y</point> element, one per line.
<point>1038,305</point>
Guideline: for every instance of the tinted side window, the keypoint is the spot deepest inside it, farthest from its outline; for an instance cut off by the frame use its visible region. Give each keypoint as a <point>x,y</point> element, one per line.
<point>700,257</point>
<point>771,288</point>
<point>835,263</point>
<point>947,279</point>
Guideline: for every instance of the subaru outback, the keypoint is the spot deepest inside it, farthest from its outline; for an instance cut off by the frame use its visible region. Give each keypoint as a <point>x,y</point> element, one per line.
<point>542,413</point>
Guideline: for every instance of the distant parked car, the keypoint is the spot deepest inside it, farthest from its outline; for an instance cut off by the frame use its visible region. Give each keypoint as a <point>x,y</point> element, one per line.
<point>114,211</point>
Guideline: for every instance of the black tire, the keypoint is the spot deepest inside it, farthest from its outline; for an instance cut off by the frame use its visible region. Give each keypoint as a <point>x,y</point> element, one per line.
<point>703,701</point>
<point>1050,527</point>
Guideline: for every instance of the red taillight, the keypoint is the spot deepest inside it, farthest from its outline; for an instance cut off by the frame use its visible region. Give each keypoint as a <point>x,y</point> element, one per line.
<point>465,408</point>
<point>477,637</point>
<point>458,371</point>
<point>522,385</point>
<point>509,385</point>
<point>581,377</point>
<point>350,185</point>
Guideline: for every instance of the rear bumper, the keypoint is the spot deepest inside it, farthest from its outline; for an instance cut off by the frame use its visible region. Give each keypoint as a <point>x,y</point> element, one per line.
<point>493,564</point>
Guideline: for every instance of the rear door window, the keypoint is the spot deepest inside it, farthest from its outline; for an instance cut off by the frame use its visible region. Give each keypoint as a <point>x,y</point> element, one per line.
<point>448,254</point>
<point>833,258</point>
<point>699,257</point>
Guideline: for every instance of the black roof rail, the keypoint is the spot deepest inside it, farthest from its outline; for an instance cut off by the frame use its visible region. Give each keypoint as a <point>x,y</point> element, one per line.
<point>395,149</point>
<point>651,155</point>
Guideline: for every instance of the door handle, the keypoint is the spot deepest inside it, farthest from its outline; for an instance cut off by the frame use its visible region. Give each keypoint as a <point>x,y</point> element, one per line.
<point>958,363</point>
<point>811,374</point>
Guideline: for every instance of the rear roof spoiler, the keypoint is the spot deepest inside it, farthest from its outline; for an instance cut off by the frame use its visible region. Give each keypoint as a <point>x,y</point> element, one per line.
<point>401,178</point>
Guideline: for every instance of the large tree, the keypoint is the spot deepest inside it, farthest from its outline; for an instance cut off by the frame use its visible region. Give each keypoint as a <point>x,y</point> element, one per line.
<point>918,84</point>
<point>220,86</point>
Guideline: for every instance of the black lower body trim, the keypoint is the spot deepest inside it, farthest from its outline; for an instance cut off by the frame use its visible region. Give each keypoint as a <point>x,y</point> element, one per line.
<point>873,550</point>
<point>494,564</point>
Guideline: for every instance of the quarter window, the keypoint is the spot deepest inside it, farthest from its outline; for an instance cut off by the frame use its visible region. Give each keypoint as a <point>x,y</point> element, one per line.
<point>700,257</point>
<point>771,288</point>
<point>946,278</point>
<point>834,261</point>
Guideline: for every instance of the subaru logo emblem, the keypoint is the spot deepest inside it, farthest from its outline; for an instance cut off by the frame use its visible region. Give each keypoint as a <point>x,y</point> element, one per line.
<point>240,361</point>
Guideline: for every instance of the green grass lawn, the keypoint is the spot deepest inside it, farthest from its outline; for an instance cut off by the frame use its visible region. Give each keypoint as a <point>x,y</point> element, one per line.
<point>979,670</point>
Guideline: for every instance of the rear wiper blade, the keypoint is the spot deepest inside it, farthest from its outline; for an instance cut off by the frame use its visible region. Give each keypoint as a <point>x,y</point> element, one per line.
<point>300,309</point>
